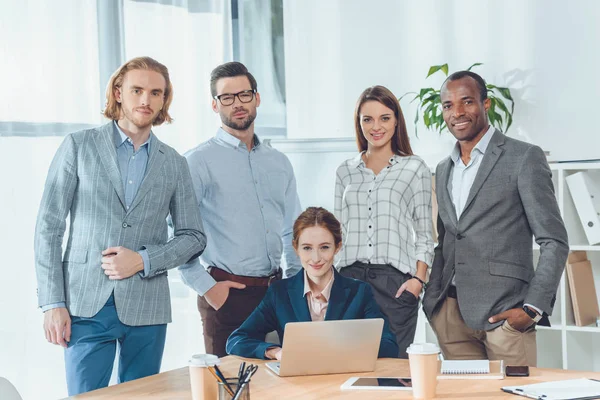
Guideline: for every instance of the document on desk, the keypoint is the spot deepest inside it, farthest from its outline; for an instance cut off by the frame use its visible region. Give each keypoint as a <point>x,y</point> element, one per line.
<point>572,389</point>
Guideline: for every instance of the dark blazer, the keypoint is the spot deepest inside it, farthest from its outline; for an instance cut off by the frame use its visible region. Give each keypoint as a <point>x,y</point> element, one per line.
<point>285,302</point>
<point>489,248</point>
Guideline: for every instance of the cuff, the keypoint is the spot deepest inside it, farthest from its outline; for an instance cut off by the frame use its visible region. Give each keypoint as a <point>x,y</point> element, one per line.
<point>425,257</point>
<point>535,308</point>
<point>267,349</point>
<point>47,307</point>
<point>262,348</point>
<point>146,261</point>
<point>195,276</point>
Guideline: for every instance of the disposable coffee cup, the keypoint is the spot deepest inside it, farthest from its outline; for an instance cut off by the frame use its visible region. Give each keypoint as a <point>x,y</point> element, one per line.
<point>423,360</point>
<point>204,385</point>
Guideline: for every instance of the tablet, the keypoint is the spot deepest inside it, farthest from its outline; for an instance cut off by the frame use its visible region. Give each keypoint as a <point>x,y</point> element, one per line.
<point>372,383</point>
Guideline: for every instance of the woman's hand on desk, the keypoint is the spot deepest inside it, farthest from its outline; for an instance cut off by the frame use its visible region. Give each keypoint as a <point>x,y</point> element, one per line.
<point>274,353</point>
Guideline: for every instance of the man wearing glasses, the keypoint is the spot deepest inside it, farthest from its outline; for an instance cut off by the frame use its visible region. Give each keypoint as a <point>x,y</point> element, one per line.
<point>246,192</point>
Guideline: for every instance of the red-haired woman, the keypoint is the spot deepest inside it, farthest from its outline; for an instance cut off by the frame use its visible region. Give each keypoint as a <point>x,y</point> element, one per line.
<point>316,293</point>
<point>383,200</point>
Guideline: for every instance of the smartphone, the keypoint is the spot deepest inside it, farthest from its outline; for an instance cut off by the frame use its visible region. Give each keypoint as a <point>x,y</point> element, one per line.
<point>517,370</point>
<point>369,383</point>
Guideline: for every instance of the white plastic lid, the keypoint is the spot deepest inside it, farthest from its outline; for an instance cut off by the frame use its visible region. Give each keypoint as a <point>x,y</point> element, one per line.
<point>204,360</point>
<point>423,348</point>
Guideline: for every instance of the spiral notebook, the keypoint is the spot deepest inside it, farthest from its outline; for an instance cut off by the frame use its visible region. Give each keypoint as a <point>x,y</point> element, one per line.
<point>471,369</point>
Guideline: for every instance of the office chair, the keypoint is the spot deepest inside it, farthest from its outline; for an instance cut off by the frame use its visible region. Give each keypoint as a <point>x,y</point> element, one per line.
<point>8,391</point>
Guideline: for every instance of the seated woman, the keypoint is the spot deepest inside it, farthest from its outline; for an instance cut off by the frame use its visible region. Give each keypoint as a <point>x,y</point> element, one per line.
<point>316,293</point>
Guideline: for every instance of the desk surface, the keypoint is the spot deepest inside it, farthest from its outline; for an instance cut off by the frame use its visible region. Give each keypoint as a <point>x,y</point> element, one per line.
<point>175,385</point>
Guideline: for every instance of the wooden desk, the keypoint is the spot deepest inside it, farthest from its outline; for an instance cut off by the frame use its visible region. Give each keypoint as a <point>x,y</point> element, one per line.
<point>175,385</point>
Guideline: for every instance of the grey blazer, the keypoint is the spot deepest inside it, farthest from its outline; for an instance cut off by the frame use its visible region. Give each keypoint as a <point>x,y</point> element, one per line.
<point>84,181</point>
<point>489,249</point>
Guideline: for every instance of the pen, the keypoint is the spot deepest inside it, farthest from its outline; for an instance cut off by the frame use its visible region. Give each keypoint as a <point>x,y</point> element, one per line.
<point>221,378</point>
<point>241,372</point>
<point>250,370</point>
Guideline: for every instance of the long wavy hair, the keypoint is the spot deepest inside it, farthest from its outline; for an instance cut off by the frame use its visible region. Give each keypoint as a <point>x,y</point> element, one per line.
<point>113,107</point>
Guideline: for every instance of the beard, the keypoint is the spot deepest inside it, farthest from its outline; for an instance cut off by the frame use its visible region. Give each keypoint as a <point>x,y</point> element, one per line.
<point>137,120</point>
<point>241,125</point>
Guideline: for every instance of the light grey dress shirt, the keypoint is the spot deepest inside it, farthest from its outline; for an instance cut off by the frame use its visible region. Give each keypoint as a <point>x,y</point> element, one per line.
<point>462,176</point>
<point>248,202</point>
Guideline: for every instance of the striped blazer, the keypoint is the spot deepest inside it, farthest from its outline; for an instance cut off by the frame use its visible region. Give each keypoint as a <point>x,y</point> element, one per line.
<point>84,181</point>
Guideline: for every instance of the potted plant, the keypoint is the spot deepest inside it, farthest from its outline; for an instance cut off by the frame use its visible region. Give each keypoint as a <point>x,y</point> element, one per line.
<point>430,104</point>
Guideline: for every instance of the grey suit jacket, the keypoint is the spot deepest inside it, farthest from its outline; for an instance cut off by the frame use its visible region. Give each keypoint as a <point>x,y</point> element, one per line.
<point>489,248</point>
<point>84,181</point>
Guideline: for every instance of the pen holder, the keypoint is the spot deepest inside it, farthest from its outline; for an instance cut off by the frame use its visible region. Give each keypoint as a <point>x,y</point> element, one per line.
<point>233,383</point>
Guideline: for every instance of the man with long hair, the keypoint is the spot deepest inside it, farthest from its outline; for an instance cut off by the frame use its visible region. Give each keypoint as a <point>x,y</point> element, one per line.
<point>246,191</point>
<point>119,183</point>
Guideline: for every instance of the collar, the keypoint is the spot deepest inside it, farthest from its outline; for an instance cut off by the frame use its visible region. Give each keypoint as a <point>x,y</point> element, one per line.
<point>120,137</point>
<point>232,141</point>
<point>326,292</point>
<point>359,162</point>
<point>481,146</point>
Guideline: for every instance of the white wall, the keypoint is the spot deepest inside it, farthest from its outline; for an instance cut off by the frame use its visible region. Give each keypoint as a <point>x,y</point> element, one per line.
<point>543,50</point>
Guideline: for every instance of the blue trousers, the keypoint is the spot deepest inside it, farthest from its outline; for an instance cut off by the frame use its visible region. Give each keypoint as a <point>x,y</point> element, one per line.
<point>90,355</point>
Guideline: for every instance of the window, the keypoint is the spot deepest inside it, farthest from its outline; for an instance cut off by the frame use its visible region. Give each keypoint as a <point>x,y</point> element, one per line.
<point>258,43</point>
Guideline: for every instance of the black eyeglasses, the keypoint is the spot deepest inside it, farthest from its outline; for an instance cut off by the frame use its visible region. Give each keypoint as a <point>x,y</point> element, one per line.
<point>228,99</point>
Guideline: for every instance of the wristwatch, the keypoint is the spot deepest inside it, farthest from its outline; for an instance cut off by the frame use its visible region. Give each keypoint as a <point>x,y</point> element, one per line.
<point>532,314</point>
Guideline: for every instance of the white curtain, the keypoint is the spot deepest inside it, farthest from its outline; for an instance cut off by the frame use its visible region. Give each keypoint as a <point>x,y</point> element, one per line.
<point>49,61</point>
<point>53,72</point>
<point>257,43</point>
<point>190,38</point>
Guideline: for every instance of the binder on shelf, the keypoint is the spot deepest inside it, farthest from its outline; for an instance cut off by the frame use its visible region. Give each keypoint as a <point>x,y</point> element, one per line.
<point>583,289</point>
<point>586,196</point>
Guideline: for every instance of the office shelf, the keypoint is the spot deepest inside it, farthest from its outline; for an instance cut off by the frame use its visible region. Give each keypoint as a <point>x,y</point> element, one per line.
<point>563,345</point>
<point>566,345</point>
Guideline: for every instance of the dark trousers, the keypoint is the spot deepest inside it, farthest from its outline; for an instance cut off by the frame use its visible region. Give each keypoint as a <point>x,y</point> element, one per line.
<point>401,312</point>
<point>217,325</point>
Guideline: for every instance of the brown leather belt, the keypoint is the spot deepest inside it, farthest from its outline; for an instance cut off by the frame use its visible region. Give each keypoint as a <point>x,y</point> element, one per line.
<point>220,275</point>
<point>452,292</point>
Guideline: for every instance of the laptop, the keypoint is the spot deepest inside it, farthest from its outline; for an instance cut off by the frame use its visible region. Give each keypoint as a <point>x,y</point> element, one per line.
<point>329,347</point>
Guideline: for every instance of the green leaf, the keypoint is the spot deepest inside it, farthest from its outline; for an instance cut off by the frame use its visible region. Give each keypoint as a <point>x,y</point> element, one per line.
<point>474,65</point>
<point>427,115</point>
<point>440,124</point>
<point>405,94</point>
<point>505,92</point>
<point>508,115</point>
<point>435,68</point>
<point>495,118</point>
<point>417,123</point>
<point>424,91</point>
<point>445,69</point>
<point>431,100</point>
